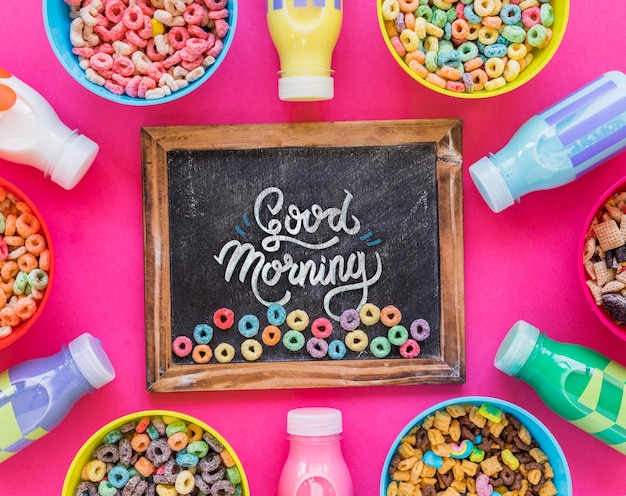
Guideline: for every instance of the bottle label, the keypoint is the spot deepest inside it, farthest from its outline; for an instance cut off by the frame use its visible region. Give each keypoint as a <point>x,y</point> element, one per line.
<point>605,421</point>
<point>316,486</point>
<point>12,439</point>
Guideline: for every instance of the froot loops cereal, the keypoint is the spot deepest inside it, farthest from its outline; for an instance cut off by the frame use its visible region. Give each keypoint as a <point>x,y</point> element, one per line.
<point>468,46</point>
<point>470,449</point>
<point>147,48</point>
<point>159,455</point>
<point>604,258</point>
<point>367,331</point>
<point>24,262</point>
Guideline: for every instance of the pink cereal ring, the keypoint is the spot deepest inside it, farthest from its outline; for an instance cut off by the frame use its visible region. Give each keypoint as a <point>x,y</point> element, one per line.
<point>145,8</point>
<point>135,40</point>
<point>456,86</point>
<point>101,61</point>
<point>152,52</point>
<point>118,31</point>
<point>156,70</point>
<point>103,33</point>
<point>121,80</point>
<point>460,11</point>
<point>215,4</point>
<point>177,37</point>
<point>146,31</point>
<point>133,17</point>
<point>194,14</point>
<point>104,48</point>
<point>146,84</point>
<point>531,16</point>
<point>4,250</point>
<point>321,328</point>
<point>221,28</point>
<point>172,60</point>
<point>114,10</point>
<point>86,52</point>
<point>410,348</point>
<point>196,46</point>
<point>123,66</point>
<point>192,64</point>
<point>198,32</point>
<point>132,88</point>
<point>216,49</point>
<point>182,346</point>
<point>113,87</point>
<point>218,14</point>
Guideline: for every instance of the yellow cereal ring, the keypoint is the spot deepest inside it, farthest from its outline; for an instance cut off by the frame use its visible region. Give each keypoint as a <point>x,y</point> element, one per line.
<point>409,40</point>
<point>494,67</point>
<point>224,353</point>
<point>185,482</point>
<point>390,9</point>
<point>95,470</point>
<point>369,314</point>
<point>298,320</point>
<point>356,340</point>
<point>194,432</point>
<point>487,35</point>
<point>251,350</point>
<point>511,70</point>
<point>433,30</point>
<point>495,84</point>
<point>420,27</point>
<point>516,51</point>
<point>166,490</point>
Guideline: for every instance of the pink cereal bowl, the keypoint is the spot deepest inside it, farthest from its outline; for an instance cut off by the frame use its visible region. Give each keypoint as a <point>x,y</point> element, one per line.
<point>597,210</point>
<point>19,330</point>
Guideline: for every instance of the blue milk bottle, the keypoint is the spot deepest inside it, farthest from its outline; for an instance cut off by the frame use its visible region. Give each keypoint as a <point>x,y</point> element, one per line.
<point>35,396</point>
<point>559,145</point>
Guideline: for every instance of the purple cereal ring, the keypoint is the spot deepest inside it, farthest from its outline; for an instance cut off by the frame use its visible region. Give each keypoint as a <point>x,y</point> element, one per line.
<point>317,347</point>
<point>86,488</point>
<point>182,346</point>
<point>321,328</point>
<point>350,319</point>
<point>420,330</point>
<point>222,488</point>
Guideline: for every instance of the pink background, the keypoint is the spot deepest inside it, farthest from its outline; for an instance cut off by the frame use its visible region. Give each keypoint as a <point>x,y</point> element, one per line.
<point>519,264</point>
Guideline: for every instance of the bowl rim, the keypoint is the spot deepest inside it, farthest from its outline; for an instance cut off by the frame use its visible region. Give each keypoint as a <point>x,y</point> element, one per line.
<point>80,77</point>
<point>617,329</point>
<point>529,72</point>
<point>96,437</point>
<point>518,411</point>
<point>20,330</point>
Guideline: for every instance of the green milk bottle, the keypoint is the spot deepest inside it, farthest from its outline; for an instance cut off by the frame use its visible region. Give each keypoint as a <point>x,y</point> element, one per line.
<point>581,385</point>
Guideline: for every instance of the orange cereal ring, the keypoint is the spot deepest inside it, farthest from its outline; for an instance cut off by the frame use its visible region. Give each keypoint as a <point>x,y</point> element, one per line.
<point>9,317</point>
<point>227,458</point>
<point>14,241</point>
<point>3,299</point>
<point>22,207</point>
<point>436,80</point>
<point>9,228</point>
<point>271,335</point>
<point>415,55</point>
<point>194,432</point>
<point>9,270</point>
<point>408,5</point>
<point>7,286</point>
<point>140,442</point>
<point>418,68</point>
<point>479,78</point>
<point>449,73</point>
<point>35,243</point>
<point>142,425</point>
<point>473,64</point>
<point>44,260</point>
<point>460,28</point>
<point>25,308</point>
<point>202,353</point>
<point>390,316</point>
<point>27,262</point>
<point>144,467</point>
<point>178,441</point>
<point>409,20</point>
<point>27,224</point>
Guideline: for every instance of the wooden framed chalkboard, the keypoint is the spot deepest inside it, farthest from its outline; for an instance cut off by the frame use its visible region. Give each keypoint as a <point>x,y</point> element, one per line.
<point>247,224</point>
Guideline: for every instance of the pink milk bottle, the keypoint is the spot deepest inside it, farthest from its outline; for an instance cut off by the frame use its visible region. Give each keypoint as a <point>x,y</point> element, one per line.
<point>315,464</point>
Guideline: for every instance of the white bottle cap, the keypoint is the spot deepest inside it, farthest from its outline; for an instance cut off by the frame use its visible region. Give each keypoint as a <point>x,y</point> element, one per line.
<point>314,421</point>
<point>92,360</point>
<point>306,88</point>
<point>491,185</point>
<point>73,160</point>
<point>516,347</point>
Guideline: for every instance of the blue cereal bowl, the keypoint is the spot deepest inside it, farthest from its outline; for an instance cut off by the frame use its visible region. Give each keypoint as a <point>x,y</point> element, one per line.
<point>562,479</point>
<point>56,17</point>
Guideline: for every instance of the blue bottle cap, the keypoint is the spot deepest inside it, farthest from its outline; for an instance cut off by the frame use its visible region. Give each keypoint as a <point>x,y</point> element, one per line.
<point>491,185</point>
<point>516,348</point>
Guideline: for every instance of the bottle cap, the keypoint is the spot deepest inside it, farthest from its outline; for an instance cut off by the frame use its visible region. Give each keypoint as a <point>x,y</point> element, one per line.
<point>516,347</point>
<point>73,160</point>
<point>314,421</point>
<point>491,185</point>
<point>91,360</point>
<point>306,88</point>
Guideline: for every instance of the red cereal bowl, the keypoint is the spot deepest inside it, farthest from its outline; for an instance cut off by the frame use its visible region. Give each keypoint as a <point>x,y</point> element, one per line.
<point>596,273</point>
<point>15,317</point>
<point>229,465</point>
<point>121,88</point>
<point>423,70</point>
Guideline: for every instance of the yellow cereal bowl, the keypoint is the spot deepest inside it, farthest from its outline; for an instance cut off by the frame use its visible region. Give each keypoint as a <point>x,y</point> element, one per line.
<point>85,454</point>
<point>540,56</point>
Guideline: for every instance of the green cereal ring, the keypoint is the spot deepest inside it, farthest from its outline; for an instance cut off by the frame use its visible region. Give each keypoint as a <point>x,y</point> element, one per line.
<point>233,474</point>
<point>537,35</point>
<point>380,347</point>
<point>198,448</point>
<point>467,51</point>
<point>38,279</point>
<point>439,18</point>
<point>451,15</point>
<point>113,436</point>
<point>21,281</point>
<point>105,488</point>
<point>398,335</point>
<point>514,34</point>
<point>174,427</point>
<point>425,11</point>
<point>431,61</point>
<point>293,340</point>
<point>547,15</point>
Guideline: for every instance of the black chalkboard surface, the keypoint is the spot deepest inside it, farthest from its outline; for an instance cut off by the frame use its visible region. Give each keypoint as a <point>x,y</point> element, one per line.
<point>318,217</point>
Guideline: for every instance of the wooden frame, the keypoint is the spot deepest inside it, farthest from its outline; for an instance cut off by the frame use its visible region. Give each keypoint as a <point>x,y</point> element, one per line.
<point>163,375</point>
